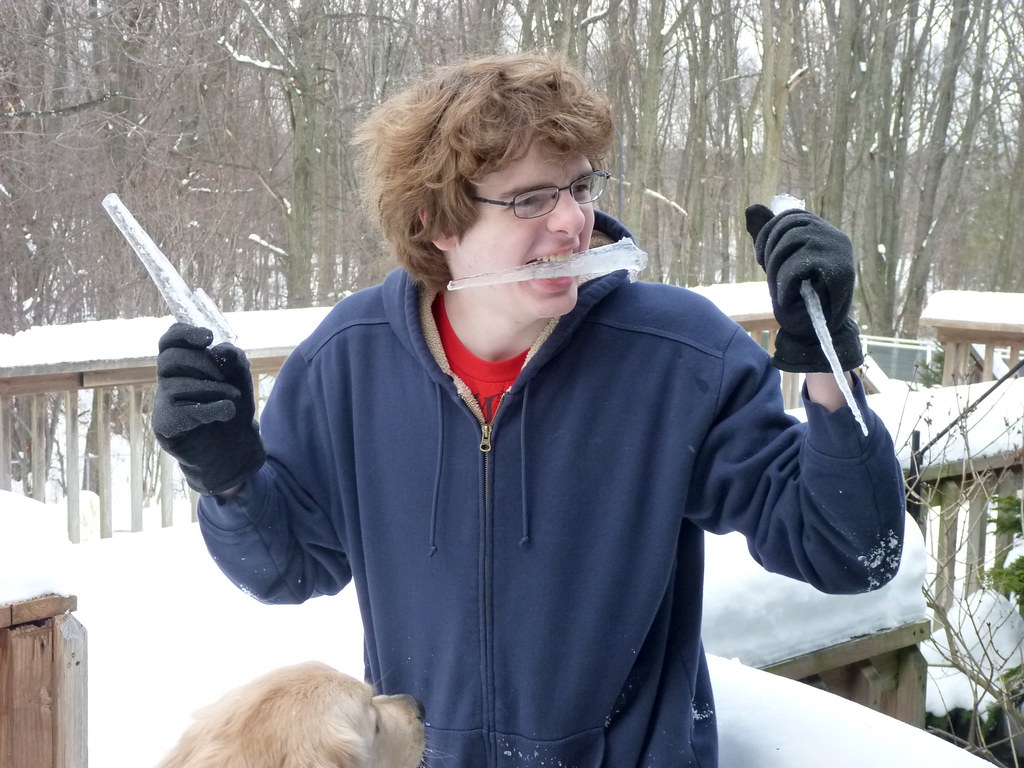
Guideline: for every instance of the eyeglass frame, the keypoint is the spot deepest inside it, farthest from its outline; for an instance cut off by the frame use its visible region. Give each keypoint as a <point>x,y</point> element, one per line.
<point>605,175</point>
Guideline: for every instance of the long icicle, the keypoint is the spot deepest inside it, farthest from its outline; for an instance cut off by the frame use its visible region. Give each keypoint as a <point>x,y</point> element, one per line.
<point>784,202</point>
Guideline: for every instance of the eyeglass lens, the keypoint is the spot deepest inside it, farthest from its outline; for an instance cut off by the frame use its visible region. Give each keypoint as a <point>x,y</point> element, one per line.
<point>537,202</point>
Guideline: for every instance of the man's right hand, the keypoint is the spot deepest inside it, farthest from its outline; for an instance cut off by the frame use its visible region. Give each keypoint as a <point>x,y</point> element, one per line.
<point>204,409</point>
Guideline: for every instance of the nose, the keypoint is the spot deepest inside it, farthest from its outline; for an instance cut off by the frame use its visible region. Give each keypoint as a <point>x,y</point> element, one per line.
<point>568,215</point>
<point>415,705</point>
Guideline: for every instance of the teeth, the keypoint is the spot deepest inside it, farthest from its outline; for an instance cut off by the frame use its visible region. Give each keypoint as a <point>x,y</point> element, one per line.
<point>556,257</point>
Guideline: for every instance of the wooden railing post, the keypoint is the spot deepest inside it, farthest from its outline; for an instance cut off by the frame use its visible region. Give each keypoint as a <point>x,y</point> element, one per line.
<point>135,442</point>
<point>101,411</point>
<point>6,406</point>
<point>43,685</point>
<point>73,472</point>
<point>37,410</point>
<point>166,488</point>
<point>948,493</point>
<point>977,527</point>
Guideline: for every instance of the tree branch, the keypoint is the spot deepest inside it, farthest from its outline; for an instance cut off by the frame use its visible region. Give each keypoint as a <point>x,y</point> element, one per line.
<point>9,113</point>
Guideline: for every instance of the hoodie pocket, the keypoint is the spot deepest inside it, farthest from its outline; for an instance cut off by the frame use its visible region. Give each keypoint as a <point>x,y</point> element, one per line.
<point>581,750</point>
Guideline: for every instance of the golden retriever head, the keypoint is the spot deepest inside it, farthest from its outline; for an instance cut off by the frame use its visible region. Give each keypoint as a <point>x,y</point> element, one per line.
<point>303,716</point>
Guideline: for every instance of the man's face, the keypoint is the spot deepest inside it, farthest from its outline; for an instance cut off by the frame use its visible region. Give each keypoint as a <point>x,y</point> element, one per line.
<point>500,240</point>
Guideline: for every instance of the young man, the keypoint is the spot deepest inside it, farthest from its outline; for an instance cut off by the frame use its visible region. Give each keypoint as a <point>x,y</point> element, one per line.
<point>517,478</point>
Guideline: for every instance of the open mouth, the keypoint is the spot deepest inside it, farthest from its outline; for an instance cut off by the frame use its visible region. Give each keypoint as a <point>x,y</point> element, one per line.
<point>608,258</point>
<point>552,258</point>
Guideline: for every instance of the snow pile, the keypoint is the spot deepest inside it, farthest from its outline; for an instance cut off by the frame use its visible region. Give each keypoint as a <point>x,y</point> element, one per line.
<point>136,338</point>
<point>766,721</point>
<point>762,618</point>
<point>995,427</point>
<point>35,553</point>
<point>997,309</point>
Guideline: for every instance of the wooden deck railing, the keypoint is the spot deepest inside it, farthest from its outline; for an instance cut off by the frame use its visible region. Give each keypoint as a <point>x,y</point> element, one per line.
<point>965,321</point>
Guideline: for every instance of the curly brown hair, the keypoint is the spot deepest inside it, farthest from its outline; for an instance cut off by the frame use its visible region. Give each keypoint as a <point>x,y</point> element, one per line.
<point>424,150</point>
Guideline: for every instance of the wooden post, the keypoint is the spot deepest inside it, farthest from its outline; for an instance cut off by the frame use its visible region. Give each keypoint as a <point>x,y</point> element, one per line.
<point>70,677</point>
<point>6,407</point>
<point>256,392</point>
<point>101,409</point>
<point>43,685</point>
<point>166,489</point>
<point>1009,484</point>
<point>948,492</point>
<point>989,363</point>
<point>977,527</point>
<point>38,462</point>
<point>73,474</point>
<point>135,440</point>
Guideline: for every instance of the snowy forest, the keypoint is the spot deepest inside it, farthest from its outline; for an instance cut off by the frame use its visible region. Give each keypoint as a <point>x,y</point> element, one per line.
<point>225,128</point>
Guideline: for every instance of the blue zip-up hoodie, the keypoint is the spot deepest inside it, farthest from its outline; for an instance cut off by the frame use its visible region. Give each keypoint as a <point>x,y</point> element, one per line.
<point>543,597</point>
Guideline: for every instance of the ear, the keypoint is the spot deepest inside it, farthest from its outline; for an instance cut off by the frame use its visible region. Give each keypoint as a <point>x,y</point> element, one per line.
<point>333,747</point>
<point>446,243</point>
<point>443,243</point>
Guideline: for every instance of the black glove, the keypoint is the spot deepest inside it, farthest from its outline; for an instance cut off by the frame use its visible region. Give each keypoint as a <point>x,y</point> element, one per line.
<point>796,246</point>
<point>204,408</point>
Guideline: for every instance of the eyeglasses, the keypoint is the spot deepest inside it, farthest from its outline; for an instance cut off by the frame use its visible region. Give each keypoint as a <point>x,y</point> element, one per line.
<point>537,202</point>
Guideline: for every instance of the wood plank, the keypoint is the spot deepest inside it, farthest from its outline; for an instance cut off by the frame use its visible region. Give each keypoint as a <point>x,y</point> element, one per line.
<point>6,695</point>
<point>101,411</point>
<point>36,609</point>
<point>32,385</point>
<point>6,408</point>
<point>70,694</point>
<point>166,488</point>
<point>37,417</point>
<point>976,333</point>
<point>26,658</point>
<point>73,471</point>
<point>135,451</point>
<point>907,702</point>
<point>118,376</point>
<point>851,651</point>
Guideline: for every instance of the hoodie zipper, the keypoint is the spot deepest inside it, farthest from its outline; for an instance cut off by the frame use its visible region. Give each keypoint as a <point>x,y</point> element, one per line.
<point>486,435</point>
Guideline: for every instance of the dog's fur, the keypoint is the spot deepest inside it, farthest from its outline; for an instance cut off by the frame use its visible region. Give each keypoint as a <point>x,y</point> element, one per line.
<point>303,716</point>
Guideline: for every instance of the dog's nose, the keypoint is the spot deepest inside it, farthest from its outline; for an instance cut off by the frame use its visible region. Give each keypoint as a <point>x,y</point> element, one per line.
<point>417,705</point>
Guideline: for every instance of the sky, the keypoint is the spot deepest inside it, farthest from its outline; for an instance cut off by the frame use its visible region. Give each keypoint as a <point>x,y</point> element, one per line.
<point>167,633</point>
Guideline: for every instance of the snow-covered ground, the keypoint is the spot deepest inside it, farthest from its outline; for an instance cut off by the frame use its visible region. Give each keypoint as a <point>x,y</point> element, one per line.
<point>168,633</point>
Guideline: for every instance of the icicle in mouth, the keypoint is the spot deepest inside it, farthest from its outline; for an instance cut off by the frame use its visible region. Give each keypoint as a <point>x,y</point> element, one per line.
<point>597,261</point>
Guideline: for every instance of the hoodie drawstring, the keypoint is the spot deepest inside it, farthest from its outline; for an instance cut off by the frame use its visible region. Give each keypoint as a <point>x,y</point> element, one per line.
<point>437,469</point>
<point>436,501</point>
<point>522,470</point>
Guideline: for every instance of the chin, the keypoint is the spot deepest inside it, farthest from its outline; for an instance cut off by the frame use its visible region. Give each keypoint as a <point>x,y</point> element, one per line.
<point>555,301</point>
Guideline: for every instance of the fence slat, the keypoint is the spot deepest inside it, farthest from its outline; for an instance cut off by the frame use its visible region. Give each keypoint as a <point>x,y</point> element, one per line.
<point>38,417</point>
<point>101,410</point>
<point>26,664</point>
<point>73,474</point>
<point>135,453</point>
<point>6,407</point>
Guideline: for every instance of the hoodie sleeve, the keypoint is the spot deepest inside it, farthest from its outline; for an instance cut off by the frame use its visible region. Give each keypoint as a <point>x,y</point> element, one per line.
<point>277,538</point>
<point>817,501</point>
